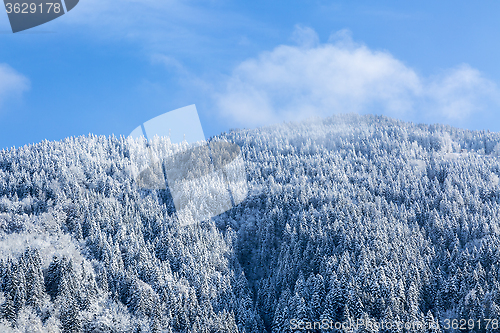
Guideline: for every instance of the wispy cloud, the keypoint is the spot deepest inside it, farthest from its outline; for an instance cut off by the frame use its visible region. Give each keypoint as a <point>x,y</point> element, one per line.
<point>312,79</point>
<point>461,92</point>
<point>161,26</point>
<point>12,84</point>
<point>169,63</point>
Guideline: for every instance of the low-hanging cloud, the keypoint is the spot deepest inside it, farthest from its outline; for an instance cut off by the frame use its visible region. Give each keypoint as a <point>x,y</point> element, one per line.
<point>313,79</point>
<point>461,92</point>
<point>12,84</point>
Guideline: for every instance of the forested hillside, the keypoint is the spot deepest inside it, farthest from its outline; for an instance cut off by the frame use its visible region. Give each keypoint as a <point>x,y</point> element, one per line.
<point>350,217</point>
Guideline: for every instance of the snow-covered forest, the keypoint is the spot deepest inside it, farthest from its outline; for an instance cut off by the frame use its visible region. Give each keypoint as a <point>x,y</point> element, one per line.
<point>347,217</point>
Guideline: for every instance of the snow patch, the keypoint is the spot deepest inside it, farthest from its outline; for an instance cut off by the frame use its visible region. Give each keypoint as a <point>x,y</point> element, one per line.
<point>14,245</point>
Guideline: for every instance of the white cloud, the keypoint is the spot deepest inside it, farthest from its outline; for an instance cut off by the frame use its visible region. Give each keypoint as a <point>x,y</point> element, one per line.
<point>313,79</point>
<point>305,36</point>
<point>461,92</point>
<point>12,84</point>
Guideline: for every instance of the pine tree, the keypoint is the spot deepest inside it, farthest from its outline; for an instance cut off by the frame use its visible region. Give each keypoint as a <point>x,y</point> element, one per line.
<point>34,278</point>
<point>15,291</point>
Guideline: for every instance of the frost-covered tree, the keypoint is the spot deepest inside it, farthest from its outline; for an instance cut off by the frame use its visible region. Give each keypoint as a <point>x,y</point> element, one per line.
<point>347,217</point>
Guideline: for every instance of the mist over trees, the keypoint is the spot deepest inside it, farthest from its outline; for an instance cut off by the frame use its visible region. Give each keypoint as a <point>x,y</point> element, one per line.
<point>347,217</point>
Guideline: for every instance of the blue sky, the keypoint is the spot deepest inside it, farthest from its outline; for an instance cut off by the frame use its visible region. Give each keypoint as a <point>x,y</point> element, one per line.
<point>107,66</point>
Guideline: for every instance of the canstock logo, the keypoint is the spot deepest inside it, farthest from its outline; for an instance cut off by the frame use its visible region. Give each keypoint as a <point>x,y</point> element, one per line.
<point>28,14</point>
<point>206,179</point>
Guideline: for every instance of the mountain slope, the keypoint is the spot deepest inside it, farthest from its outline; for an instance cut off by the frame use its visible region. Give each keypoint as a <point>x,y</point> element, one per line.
<point>350,217</point>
